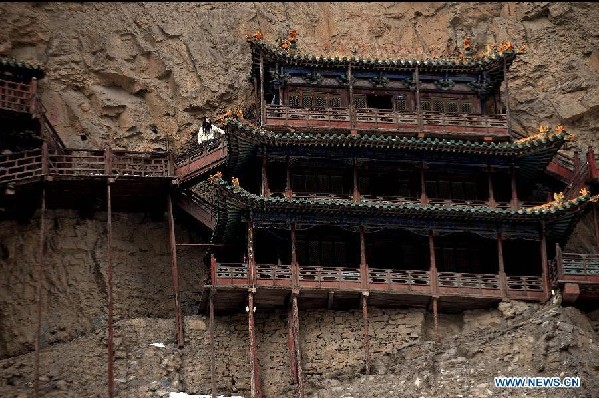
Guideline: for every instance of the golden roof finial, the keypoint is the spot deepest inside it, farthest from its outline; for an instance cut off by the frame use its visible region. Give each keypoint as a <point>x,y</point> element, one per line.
<point>560,129</point>
<point>213,177</point>
<point>543,129</point>
<point>235,181</point>
<point>258,35</point>
<point>584,191</point>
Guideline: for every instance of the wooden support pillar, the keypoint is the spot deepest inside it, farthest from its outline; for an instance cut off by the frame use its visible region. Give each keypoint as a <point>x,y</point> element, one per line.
<point>294,264</point>
<point>363,263</point>
<point>38,296</point>
<point>433,265</point>
<point>507,99</point>
<point>366,342</point>
<point>423,198</point>
<point>33,108</point>
<point>175,274</point>
<point>596,226</point>
<point>436,318</point>
<point>491,191</point>
<point>108,161</point>
<point>544,262</point>
<point>265,189</point>
<point>502,274</point>
<point>110,309</point>
<point>250,252</point>
<point>514,202</point>
<point>212,347</point>
<point>351,107</point>
<point>356,193</point>
<point>262,107</point>
<point>298,353</point>
<point>45,159</point>
<point>418,105</point>
<point>291,344</point>
<point>255,391</point>
<point>288,192</point>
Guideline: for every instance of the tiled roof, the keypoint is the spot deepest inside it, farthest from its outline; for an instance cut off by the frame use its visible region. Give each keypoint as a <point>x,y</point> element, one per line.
<point>276,54</point>
<point>258,135</point>
<point>9,63</point>
<point>244,199</point>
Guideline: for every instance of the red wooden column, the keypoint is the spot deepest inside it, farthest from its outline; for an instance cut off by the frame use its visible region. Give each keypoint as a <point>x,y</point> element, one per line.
<point>298,352</point>
<point>423,198</point>
<point>212,348</point>
<point>108,160</point>
<point>544,263</point>
<point>292,340</point>
<point>175,274</point>
<point>491,191</point>
<point>288,192</point>
<point>265,189</point>
<point>351,107</point>
<point>40,278</point>
<point>356,192</point>
<point>294,264</point>
<point>45,159</point>
<point>255,389</point>
<point>433,279</point>
<point>502,274</point>
<point>110,305</point>
<point>514,203</point>
<point>364,297</point>
<point>33,109</point>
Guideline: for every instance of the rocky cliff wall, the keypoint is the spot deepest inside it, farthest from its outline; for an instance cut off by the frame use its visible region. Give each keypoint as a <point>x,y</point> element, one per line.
<point>138,74</point>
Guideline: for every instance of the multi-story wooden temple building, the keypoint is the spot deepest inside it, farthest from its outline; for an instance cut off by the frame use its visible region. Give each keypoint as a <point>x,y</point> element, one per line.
<point>359,183</point>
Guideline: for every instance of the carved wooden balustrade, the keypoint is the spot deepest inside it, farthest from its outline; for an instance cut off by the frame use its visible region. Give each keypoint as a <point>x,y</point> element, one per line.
<point>379,279</point>
<point>386,120</point>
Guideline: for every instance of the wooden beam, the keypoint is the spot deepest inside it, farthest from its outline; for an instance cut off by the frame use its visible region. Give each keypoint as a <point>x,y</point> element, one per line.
<point>331,300</point>
<point>212,347</point>
<point>175,274</point>
<point>365,343</point>
<point>298,353</point>
<point>502,274</point>
<point>492,202</point>
<point>418,105</point>
<point>110,309</point>
<point>291,344</point>
<point>363,264</point>
<point>265,189</point>
<point>250,252</point>
<point>255,391</point>
<point>544,262</point>
<point>433,264</point>
<point>514,201</point>
<point>423,198</point>
<point>40,278</point>
<point>436,318</point>
<point>294,264</point>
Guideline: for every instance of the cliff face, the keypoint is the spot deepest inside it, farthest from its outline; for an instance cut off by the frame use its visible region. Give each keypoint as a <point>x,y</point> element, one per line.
<point>138,74</point>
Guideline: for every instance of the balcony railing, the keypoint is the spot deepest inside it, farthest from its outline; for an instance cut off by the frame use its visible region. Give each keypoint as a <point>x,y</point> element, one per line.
<point>386,120</point>
<point>381,279</point>
<point>18,97</point>
<point>580,264</point>
<point>20,166</point>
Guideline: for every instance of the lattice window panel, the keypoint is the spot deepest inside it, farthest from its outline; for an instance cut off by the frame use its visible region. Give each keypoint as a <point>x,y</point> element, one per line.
<point>321,101</point>
<point>307,101</point>
<point>452,107</point>
<point>466,107</point>
<point>335,102</point>
<point>360,102</point>
<point>294,100</point>
<point>400,104</point>
<point>425,105</point>
<point>438,106</point>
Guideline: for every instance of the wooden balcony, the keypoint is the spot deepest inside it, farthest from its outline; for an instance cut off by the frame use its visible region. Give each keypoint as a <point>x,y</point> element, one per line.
<point>370,119</point>
<point>576,274</point>
<point>402,282</point>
